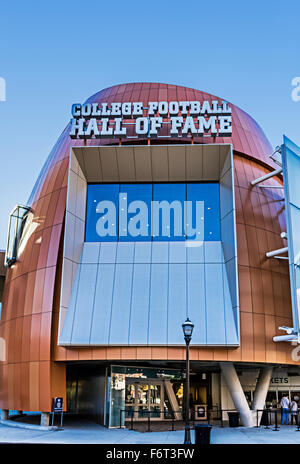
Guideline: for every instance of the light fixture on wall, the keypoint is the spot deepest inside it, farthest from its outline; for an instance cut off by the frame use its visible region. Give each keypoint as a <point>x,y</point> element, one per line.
<point>203,376</point>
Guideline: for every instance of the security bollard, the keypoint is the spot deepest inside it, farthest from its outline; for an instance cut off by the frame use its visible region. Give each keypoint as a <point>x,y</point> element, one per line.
<point>132,413</point>
<point>257,426</point>
<point>276,424</point>
<point>267,420</point>
<point>298,422</point>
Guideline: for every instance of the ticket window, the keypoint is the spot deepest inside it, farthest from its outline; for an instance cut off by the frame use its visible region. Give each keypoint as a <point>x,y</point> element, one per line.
<point>282,393</point>
<point>295,395</point>
<point>272,399</point>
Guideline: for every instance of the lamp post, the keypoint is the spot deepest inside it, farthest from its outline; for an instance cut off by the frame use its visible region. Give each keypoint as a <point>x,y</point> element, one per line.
<point>187,328</point>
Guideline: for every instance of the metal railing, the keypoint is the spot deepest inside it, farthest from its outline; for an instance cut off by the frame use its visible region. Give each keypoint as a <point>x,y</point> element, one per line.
<point>267,418</point>
<point>148,418</point>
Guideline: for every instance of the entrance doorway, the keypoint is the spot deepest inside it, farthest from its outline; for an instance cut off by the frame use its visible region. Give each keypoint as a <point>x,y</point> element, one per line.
<point>147,398</point>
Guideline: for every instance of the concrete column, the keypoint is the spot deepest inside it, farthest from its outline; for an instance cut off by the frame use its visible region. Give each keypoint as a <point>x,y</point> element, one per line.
<point>261,391</point>
<point>4,414</point>
<point>234,386</point>
<point>45,419</point>
<point>262,387</point>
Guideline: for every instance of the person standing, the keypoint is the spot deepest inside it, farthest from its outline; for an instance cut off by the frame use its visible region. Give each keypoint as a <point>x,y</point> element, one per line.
<point>294,411</point>
<point>285,404</point>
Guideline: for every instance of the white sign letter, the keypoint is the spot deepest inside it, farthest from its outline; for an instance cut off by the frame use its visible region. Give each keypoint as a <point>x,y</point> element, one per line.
<point>152,108</point>
<point>225,125</point>
<point>141,126</point>
<point>176,123</point>
<point>155,123</point>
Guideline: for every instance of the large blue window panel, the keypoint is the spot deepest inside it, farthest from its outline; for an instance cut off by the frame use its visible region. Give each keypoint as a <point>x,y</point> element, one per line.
<point>168,212</point>
<point>102,213</point>
<point>136,200</point>
<point>210,196</point>
<point>153,212</point>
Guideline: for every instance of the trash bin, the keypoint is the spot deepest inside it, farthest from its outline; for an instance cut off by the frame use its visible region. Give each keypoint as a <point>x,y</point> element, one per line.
<point>233,419</point>
<point>202,434</point>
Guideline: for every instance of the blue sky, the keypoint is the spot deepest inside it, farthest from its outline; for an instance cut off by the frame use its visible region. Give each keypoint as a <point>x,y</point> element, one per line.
<point>53,54</point>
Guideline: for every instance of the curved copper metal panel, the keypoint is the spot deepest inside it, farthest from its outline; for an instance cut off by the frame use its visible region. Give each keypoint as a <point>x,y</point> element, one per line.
<point>31,373</point>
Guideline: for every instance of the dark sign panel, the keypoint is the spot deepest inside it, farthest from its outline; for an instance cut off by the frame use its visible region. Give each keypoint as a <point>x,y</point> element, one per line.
<point>200,412</point>
<point>57,404</point>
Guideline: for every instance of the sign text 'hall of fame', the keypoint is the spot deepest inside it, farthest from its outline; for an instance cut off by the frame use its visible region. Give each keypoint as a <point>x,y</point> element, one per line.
<point>157,119</point>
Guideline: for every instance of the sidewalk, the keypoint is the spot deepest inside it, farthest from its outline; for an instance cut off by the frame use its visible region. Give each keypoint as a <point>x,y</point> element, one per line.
<point>86,432</point>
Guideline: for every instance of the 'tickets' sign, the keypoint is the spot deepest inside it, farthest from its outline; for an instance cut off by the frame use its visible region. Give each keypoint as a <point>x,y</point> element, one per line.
<point>182,119</point>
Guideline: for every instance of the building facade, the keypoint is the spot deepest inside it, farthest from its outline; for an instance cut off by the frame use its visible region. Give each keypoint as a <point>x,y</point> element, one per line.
<point>103,276</point>
<point>2,275</point>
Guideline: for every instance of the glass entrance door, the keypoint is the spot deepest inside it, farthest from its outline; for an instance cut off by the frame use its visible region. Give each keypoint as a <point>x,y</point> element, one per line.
<point>142,405</point>
<point>145,398</point>
<point>156,401</point>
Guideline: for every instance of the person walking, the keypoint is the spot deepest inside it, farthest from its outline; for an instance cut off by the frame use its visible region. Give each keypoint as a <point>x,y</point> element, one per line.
<point>294,411</point>
<point>285,404</point>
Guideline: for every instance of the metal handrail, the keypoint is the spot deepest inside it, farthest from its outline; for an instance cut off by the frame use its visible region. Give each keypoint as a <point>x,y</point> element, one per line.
<point>271,417</point>
<point>155,414</point>
<point>269,412</point>
<point>275,412</point>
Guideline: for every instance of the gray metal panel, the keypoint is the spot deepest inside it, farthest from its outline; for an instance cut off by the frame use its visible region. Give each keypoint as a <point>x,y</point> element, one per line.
<point>120,311</point>
<point>177,252</point>
<point>158,304</point>
<point>215,319</point>
<point>125,252</point>
<point>176,302</point>
<point>108,252</point>
<point>226,198</point>
<point>143,252</point>
<point>90,253</point>
<point>160,252</point>
<point>92,164</point>
<point>231,328</point>
<point>145,303</point>
<point>213,252</point>
<point>291,175</point>
<point>138,330</point>
<point>65,336</point>
<point>231,276</point>
<point>228,236</point>
<point>195,252</point>
<point>84,304</point>
<point>196,302</point>
<point>102,305</point>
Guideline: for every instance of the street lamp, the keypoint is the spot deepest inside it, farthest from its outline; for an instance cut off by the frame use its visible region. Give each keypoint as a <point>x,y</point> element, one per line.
<point>187,328</point>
